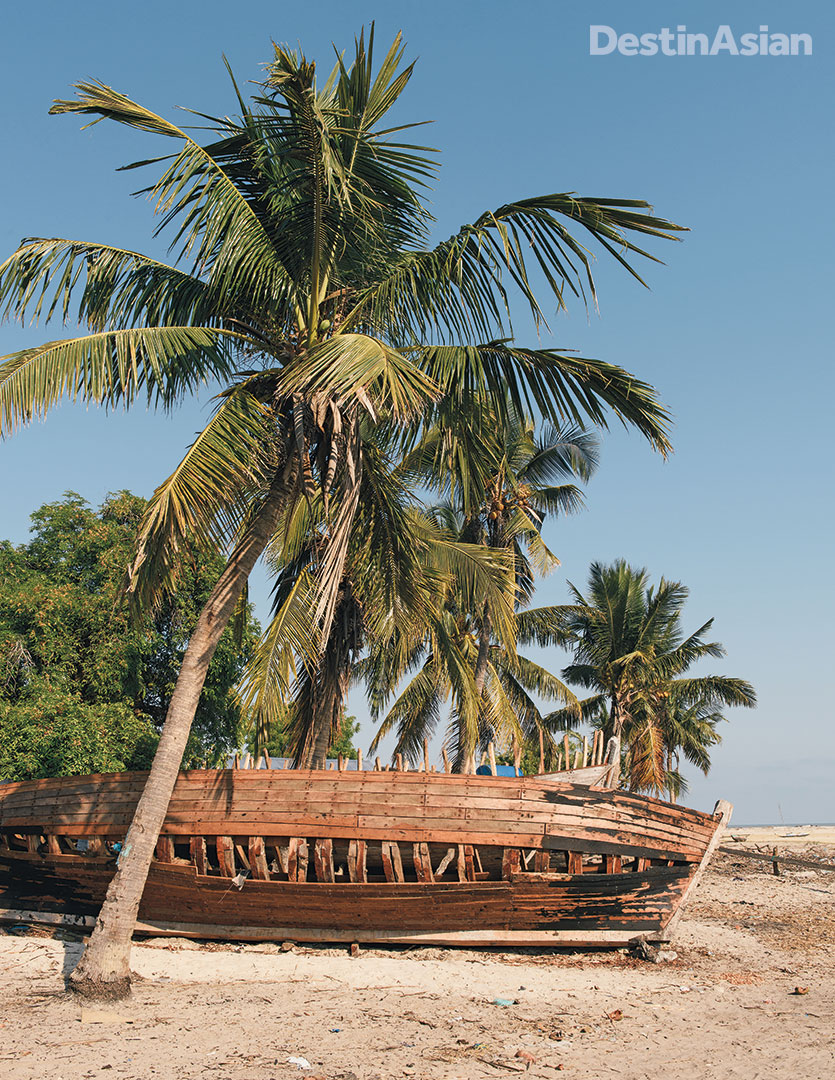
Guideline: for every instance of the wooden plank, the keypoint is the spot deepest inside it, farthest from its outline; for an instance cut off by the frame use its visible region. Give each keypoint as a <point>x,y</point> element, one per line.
<point>466,863</point>
<point>423,863</point>
<point>258,858</point>
<point>323,859</point>
<point>642,864</point>
<point>226,855</point>
<point>197,850</point>
<point>612,864</point>
<point>357,853</point>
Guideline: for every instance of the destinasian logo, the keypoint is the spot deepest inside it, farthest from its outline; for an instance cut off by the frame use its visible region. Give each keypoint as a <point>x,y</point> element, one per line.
<point>605,41</point>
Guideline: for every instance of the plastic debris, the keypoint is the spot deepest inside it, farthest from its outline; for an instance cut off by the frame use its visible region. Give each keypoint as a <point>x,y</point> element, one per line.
<point>504,1001</point>
<point>299,1062</point>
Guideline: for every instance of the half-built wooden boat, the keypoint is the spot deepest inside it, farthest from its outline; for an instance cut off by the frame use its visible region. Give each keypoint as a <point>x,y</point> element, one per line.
<point>414,857</point>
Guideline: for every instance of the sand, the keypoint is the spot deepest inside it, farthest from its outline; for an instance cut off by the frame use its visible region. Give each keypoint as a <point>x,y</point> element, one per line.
<point>725,1007</point>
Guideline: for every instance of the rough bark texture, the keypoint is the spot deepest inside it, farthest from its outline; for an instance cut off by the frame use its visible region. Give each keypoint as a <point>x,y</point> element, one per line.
<point>104,969</point>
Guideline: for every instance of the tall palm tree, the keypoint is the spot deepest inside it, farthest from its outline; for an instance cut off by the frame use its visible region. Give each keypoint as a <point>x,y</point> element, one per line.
<point>630,648</point>
<point>302,282</point>
<point>398,561</point>
<point>502,481</point>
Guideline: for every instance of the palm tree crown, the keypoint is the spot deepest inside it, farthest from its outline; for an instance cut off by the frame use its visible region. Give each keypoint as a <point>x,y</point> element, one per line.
<point>631,649</point>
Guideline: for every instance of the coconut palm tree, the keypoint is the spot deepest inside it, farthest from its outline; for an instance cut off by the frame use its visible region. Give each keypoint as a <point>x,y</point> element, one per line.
<point>398,562</point>
<point>303,283</point>
<point>630,648</point>
<point>502,481</point>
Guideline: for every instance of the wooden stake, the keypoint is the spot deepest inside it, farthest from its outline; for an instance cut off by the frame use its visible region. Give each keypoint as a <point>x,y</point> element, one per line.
<point>359,760</point>
<point>377,766</point>
<point>447,766</point>
<point>491,754</point>
<point>585,750</point>
<point>340,763</point>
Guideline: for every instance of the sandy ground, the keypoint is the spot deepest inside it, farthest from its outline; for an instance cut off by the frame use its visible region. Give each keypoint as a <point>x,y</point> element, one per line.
<point>725,1007</point>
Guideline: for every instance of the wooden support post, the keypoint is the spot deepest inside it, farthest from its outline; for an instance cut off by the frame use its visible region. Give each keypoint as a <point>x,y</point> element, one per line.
<point>323,859</point>
<point>297,858</point>
<point>542,862</point>
<point>340,763</point>
<point>575,862</point>
<point>236,762</point>
<point>517,757</point>
<point>466,863</point>
<point>577,759</point>
<point>197,850</point>
<point>377,766</point>
<point>511,862</point>
<point>491,755</point>
<point>258,858</point>
<point>33,842</point>
<point>447,766</point>
<point>398,762</point>
<point>53,844</point>
<point>242,856</point>
<point>357,850</point>
<point>392,861</point>
<point>165,849</point>
<point>359,760</point>
<point>642,865</point>
<point>585,750</point>
<point>541,751</point>
<point>226,855</point>
<point>426,754</point>
<point>612,864</point>
<point>423,864</point>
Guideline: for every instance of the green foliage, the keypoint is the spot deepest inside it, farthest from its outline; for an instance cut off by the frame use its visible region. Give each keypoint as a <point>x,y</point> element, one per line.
<point>52,732</point>
<point>279,743</point>
<point>631,650</point>
<point>72,660</point>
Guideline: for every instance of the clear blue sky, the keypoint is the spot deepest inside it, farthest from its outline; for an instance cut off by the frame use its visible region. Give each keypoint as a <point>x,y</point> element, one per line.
<point>735,332</point>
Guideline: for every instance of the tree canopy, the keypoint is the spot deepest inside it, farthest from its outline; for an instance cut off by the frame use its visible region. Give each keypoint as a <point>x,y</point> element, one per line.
<point>83,688</point>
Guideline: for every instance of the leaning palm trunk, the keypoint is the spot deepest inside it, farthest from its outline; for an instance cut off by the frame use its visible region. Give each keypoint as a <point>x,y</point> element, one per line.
<point>104,969</point>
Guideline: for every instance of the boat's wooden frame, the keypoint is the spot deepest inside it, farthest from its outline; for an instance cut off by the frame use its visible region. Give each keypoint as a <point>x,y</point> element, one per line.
<point>394,857</point>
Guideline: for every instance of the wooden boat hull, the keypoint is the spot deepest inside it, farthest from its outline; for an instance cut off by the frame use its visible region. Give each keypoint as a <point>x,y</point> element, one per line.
<point>410,858</point>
